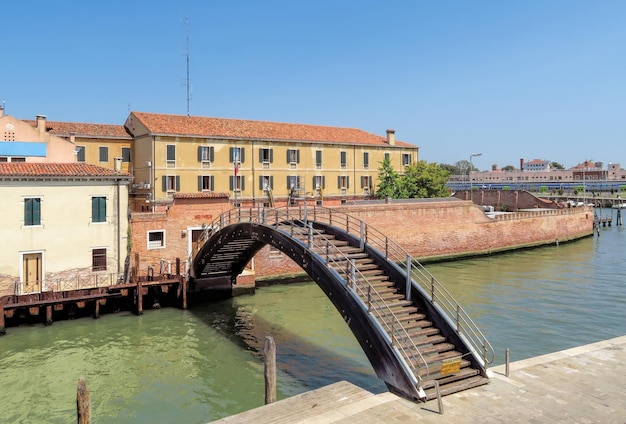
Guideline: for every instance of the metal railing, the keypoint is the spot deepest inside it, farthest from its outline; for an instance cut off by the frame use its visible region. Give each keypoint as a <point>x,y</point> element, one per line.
<point>78,282</point>
<point>417,276</point>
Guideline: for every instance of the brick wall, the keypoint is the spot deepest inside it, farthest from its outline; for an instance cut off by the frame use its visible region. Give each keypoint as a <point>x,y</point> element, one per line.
<point>430,230</point>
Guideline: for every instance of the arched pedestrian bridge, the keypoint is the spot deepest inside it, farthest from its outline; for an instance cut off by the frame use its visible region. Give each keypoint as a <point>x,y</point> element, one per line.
<point>413,332</point>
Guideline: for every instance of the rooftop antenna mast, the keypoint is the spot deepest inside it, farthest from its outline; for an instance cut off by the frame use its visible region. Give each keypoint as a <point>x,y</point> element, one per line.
<point>188,82</point>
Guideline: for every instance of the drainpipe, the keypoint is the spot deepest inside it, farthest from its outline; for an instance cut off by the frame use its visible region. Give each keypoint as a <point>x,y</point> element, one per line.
<point>119,236</point>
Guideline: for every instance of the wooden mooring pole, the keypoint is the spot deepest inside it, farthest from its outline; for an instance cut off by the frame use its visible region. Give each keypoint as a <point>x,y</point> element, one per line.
<point>269,350</point>
<point>3,330</point>
<point>83,403</point>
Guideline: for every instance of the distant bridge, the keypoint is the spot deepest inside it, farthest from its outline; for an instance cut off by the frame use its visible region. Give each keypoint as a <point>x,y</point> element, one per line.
<point>414,333</point>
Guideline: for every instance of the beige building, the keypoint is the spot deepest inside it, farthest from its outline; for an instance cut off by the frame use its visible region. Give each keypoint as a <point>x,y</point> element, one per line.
<point>256,161</point>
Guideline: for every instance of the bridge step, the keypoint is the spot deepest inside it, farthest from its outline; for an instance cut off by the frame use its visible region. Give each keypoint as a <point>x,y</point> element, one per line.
<point>462,383</point>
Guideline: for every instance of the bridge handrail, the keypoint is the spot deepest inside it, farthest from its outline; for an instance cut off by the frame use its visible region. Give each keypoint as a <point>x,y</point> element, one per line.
<point>284,221</point>
<point>421,278</point>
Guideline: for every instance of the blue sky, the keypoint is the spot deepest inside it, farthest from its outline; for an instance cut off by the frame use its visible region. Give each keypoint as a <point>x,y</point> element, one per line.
<point>508,79</point>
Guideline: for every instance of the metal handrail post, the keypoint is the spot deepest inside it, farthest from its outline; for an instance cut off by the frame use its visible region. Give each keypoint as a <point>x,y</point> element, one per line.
<point>362,235</point>
<point>408,277</point>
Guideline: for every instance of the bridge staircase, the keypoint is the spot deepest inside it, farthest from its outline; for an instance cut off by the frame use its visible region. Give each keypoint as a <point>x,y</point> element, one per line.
<point>394,309</point>
<point>405,320</point>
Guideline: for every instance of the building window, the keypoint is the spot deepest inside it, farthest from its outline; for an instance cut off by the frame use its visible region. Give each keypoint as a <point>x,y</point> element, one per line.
<point>99,260</point>
<point>275,253</point>
<point>266,156</point>
<point>103,153</point>
<point>319,182</point>
<point>32,211</point>
<point>156,239</point>
<point>343,160</point>
<point>406,159</point>
<point>366,183</point>
<point>237,155</point>
<point>171,155</point>
<point>293,182</point>
<point>19,159</point>
<point>318,159</point>
<point>206,183</point>
<point>126,154</point>
<point>237,183</point>
<point>293,157</point>
<point>387,157</point>
<point>266,182</point>
<point>80,153</point>
<point>170,183</point>
<point>206,154</point>
<point>366,160</point>
<point>343,182</point>
<point>98,209</point>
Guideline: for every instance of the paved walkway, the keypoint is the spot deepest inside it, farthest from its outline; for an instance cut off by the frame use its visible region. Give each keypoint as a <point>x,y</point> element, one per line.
<point>586,384</point>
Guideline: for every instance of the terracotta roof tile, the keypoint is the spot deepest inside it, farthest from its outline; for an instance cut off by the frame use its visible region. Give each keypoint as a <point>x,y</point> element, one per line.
<point>257,130</point>
<point>83,129</point>
<point>28,169</point>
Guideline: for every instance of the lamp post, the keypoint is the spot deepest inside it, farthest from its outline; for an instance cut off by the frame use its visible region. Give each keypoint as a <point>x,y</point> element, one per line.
<point>469,174</point>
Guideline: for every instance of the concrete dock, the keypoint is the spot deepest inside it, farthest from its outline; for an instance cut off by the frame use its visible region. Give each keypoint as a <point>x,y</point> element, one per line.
<point>586,384</point>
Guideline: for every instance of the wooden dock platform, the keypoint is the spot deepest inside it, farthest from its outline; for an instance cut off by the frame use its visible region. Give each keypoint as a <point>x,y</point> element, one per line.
<point>582,384</point>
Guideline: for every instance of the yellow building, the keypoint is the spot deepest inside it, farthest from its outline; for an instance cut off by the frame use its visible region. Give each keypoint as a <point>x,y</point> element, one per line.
<point>96,144</point>
<point>249,159</point>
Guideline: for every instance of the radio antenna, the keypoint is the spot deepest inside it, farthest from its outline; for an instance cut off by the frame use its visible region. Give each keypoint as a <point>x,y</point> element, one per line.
<point>188,81</point>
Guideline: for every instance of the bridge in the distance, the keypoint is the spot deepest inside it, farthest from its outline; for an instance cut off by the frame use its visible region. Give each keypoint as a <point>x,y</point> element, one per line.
<point>416,336</point>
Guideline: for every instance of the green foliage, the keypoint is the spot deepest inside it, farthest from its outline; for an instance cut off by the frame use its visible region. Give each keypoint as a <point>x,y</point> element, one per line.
<point>420,180</point>
<point>543,189</point>
<point>556,165</point>
<point>508,168</point>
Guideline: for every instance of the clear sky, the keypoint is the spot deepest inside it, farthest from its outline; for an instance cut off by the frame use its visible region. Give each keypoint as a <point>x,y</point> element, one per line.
<point>532,79</point>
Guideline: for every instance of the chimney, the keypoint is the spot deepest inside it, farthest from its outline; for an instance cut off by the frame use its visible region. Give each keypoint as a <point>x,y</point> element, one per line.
<point>117,164</point>
<point>521,164</point>
<point>73,137</point>
<point>41,124</point>
<point>1,111</point>
<point>391,137</point>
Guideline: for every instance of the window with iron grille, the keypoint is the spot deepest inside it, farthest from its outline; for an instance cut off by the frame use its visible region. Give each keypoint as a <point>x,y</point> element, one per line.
<point>156,239</point>
<point>99,260</point>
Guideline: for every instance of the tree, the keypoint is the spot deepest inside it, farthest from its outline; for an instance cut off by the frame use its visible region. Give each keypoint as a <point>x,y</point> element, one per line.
<point>420,180</point>
<point>452,169</point>
<point>556,165</point>
<point>388,180</point>
<point>508,168</point>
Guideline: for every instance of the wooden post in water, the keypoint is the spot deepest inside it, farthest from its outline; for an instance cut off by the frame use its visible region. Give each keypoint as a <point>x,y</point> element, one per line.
<point>3,331</point>
<point>83,403</point>
<point>139,297</point>
<point>269,350</point>
<point>183,282</point>
<point>49,315</point>
<point>96,311</point>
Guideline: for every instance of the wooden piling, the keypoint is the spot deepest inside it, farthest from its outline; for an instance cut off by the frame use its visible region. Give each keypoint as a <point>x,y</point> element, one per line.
<point>83,403</point>
<point>139,298</point>
<point>96,311</point>
<point>49,315</point>
<point>269,350</point>
<point>183,283</point>
<point>3,331</point>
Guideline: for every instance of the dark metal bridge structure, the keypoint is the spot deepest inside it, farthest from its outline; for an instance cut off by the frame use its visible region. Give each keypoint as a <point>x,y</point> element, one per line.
<point>418,339</point>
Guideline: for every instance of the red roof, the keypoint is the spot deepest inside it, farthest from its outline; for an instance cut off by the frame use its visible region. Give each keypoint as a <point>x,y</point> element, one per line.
<point>28,169</point>
<point>257,130</point>
<point>84,130</point>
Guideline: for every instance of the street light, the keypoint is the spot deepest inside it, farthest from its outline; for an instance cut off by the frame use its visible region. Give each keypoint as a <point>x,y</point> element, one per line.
<point>469,174</point>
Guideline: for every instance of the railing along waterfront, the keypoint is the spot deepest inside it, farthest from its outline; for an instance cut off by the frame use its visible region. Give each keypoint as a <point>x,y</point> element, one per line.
<point>295,223</point>
<point>78,282</point>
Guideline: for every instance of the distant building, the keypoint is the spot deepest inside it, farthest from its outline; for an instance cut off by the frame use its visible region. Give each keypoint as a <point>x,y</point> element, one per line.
<point>535,165</point>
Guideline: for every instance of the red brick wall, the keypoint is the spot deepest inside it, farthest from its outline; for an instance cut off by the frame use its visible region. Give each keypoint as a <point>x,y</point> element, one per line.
<point>428,230</point>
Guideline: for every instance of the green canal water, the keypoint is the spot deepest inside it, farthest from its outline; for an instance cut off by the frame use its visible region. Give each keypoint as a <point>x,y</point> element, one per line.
<point>205,363</point>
